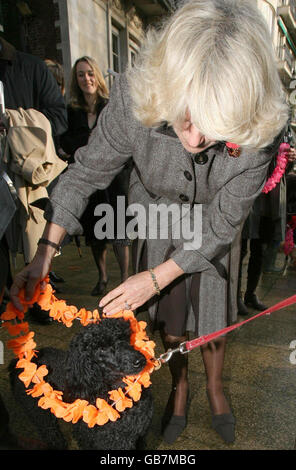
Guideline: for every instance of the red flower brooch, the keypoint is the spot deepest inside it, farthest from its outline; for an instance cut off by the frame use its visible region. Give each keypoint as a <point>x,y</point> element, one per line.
<point>233,150</point>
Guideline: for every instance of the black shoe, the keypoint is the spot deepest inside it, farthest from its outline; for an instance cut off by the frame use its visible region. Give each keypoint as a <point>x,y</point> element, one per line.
<point>223,424</point>
<point>251,300</point>
<point>56,289</point>
<point>99,288</point>
<point>39,316</point>
<point>174,428</point>
<point>55,277</point>
<point>241,308</point>
<point>175,424</point>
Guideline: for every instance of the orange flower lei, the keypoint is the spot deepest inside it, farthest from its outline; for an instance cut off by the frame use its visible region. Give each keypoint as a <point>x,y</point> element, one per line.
<point>24,348</point>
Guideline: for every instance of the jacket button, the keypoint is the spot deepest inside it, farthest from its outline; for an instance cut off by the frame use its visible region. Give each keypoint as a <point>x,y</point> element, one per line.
<point>188,175</point>
<point>201,158</point>
<point>184,198</point>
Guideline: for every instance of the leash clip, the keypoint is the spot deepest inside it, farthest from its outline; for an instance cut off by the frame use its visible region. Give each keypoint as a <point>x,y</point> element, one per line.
<point>166,356</point>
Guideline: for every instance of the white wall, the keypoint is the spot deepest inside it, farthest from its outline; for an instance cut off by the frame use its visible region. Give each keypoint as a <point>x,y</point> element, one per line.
<point>87,33</point>
<point>88,30</point>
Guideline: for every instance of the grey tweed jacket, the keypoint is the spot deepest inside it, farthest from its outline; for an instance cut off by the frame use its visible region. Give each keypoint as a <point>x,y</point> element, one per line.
<point>164,173</point>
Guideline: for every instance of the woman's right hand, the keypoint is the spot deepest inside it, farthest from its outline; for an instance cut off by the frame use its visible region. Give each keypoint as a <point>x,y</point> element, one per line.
<point>39,267</point>
<point>29,277</point>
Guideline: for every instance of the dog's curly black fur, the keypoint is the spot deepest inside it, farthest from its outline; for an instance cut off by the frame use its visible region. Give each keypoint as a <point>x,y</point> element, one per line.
<point>98,358</point>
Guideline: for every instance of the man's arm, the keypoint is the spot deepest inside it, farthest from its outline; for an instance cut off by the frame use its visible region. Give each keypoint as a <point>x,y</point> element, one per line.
<point>51,101</point>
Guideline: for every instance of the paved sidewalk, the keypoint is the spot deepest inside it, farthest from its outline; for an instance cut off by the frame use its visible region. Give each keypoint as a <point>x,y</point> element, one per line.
<point>260,379</point>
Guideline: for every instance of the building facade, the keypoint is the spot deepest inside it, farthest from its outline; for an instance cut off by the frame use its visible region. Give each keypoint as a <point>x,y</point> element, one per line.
<point>110,31</point>
<point>281,19</point>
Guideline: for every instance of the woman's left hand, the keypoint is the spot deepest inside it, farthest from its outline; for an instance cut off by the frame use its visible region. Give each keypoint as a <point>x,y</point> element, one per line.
<point>132,293</point>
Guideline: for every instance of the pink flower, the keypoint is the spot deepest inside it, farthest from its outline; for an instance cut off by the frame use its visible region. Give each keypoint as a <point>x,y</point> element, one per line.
<point>282,161</point>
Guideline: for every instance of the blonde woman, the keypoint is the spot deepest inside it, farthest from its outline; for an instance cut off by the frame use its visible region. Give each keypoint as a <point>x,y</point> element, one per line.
<point>88,96</point>
<point>208,77</point>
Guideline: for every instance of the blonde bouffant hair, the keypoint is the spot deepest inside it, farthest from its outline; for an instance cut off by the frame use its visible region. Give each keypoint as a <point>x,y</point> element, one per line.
<point>213,58</point>
<point>76,96</point>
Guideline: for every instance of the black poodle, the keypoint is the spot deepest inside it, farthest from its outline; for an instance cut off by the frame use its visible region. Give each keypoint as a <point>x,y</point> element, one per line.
<point>99,357</point>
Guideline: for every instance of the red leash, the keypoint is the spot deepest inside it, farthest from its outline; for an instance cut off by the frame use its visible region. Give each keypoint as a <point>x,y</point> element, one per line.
<point>187,346</point>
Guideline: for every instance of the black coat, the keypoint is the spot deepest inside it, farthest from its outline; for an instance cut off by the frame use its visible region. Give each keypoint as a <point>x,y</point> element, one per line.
<point>77,136</point>
<point>78,131</point>
<point>28,83</point>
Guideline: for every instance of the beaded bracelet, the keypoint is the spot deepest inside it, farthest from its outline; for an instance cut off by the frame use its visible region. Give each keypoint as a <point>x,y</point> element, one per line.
<point>155,283</point>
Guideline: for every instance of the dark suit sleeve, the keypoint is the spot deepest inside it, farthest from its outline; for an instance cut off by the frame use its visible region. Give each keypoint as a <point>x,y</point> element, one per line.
<point>51,101</point>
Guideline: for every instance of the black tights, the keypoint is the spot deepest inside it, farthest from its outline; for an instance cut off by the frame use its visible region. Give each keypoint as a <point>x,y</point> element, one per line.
<point>213,358</point>
<point>121,252</point>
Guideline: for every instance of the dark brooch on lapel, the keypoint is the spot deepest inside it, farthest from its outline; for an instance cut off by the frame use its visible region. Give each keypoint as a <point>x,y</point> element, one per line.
<point>233,150</point>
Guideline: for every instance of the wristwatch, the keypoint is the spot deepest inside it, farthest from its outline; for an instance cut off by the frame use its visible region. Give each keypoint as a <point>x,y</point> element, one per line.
<point>44,241</point>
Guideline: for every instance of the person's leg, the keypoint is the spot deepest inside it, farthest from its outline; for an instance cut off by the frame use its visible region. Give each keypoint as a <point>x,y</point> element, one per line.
<point>213,358</point>
<point>254,273</point>
<point>99,252</point>
<point>222,418</point>
<point>178,365</point>
<point>122,255</point>
<point>241,308</point>
<point>171,317</point>
<point>174,419</point>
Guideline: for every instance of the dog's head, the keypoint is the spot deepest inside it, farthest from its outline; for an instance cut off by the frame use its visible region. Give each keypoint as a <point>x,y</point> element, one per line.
<point>99,357</point>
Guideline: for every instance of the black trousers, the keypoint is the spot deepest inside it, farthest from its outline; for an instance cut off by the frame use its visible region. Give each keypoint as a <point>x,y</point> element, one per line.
<point>255,263</point>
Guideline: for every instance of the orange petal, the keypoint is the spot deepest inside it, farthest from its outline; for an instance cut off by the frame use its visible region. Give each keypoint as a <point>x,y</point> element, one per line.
<point>22,363</point>
<point>16,329</point>
<point>103,406</point>
<point>22,344</point>
<point>57,309</point>
<point>128,315</point>
<point>120,400</point>
<point>145,379</point>
<point>78,410</point>
<point>28,373</point>
<point>96,315</point>
<point>39,389</point>
<point>55,405</point>
<point>102,418</point>
<point>85,316</point>
<point>90,415</point>
<point>133,389</point>
<point>75,410</point>
<point>12,312</point>
<point>69,315</point>
<point>46,298</point>
<point>40,373</point>
<point>22,350</point>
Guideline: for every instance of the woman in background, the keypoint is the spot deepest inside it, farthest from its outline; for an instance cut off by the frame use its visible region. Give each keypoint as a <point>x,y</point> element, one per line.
<point>88,96</point>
